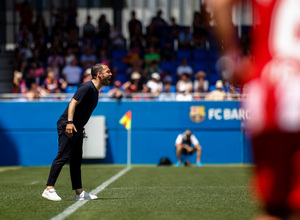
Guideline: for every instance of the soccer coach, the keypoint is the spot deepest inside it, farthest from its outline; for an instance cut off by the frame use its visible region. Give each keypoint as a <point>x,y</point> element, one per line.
<point>70,127</point>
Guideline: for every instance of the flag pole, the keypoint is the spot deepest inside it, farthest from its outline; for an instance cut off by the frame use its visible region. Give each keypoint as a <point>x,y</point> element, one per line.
<point>129,147</point>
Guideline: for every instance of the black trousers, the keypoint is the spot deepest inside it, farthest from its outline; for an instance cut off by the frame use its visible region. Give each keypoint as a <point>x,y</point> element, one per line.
<point>69,149</point>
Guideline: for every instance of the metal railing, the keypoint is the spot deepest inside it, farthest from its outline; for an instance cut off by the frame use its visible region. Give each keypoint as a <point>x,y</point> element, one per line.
<point>126,97</point>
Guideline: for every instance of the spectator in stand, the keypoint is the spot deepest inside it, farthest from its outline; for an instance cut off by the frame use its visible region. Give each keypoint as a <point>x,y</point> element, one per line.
<point>200,31</point>
<point>134,24</point>
<point>136,66</point>
<point>73,40</point>
<point>87,75</point>
<point>88,59</point>
<point>184,88</point>
<point>117,92</point>
<point>40,33</point>
<point>184,68</point>
<point>40,43</point>
<point>167,93</point>
<point>51,84</point>
<point>36,74</point>
<point>201,85</point>
<point>103,29</point>
<point>87,43</point>
<point>25,50</point>
<point>69,56</point>
<point>151,55</point>
<point>26,14</point>
<point>89,29</point>
<point>40,23</point>
<point>218,94</point>
<point>232,94</point>
<point>154,85</point>
<point>55,60</point>
<point>57,40</point>
<point>25,35</point>
<point>199,40</point>
<point>71,15</point>
<point>136,81</point>
<point>36,58</point>
<point>103,57</point>
<point>152,68</point>
<point>72,73</point>
<point>153,36</point>
<point>168,53</point>
<point>185,38</point>
<point>132,56</point>
<point>137,39</point>
<point>174,29</point>
<point>158,21</point>
<point>19,84</point>
<point>35,92</point>
<point>59,18</point>
<point>131,92</point>
<point>117,38</point>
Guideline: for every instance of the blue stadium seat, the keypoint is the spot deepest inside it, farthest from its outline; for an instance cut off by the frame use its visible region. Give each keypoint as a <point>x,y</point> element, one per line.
<point>199,55</point>
<point>121,77</point>
<point>184,54</point>
<point>105,89</point>
<point>118,55</point>
<point>170,66</point>
<point>212,88</point>
<point>213,67</point>
<point>71,89</point>
<point>200,65</point>
<point>120,66</point>
<point>214,55</point>
<point>213,77</point>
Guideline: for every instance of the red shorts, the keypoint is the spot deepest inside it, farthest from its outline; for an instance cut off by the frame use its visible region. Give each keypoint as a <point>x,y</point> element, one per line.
<point>277,171</point>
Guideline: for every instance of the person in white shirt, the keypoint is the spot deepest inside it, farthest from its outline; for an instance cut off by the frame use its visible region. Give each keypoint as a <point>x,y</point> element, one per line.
<point>184,68</point>
<point>218,94</point>
<point>184,88</point>
<point>72,73</point>
<point>154,84</point>
<point>201,84</point>
<point>183,146</point>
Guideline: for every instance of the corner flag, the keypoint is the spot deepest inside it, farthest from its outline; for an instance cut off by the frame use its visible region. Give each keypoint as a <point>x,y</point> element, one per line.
<point>126,120</point>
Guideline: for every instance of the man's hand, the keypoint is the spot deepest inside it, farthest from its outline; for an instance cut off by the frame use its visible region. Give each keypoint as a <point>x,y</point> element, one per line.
<point>188,148</point>
<point>70,128</point>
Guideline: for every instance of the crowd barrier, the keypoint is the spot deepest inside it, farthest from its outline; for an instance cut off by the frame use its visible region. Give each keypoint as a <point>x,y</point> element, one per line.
<point>29,138</point>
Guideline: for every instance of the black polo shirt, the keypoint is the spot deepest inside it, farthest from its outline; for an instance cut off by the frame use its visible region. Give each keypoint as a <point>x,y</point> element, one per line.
<point>87,95</point>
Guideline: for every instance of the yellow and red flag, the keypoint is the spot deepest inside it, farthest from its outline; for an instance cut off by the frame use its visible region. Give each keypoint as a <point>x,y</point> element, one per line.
<point>126,120</point>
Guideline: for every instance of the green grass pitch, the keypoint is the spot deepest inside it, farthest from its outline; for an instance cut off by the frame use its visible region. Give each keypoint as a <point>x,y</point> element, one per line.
<point>144,192</point>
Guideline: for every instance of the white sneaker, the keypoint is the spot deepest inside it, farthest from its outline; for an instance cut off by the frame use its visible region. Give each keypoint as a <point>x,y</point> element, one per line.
<point>51,195</point>
<point>85,196</point>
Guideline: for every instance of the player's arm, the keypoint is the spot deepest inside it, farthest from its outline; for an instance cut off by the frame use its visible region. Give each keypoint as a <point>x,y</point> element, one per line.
<point>71,111</point>
<point>238,67</point>
<point>222,10</point>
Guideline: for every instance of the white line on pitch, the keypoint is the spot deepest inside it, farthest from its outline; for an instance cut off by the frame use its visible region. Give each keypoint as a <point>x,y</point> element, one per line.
<point>68,211</point>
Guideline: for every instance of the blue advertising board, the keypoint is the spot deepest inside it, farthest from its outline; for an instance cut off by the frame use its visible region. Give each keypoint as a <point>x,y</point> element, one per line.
<point>28,131</point>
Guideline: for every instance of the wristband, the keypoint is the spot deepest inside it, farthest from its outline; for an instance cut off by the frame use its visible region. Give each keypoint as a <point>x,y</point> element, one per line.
<point>69,122</point>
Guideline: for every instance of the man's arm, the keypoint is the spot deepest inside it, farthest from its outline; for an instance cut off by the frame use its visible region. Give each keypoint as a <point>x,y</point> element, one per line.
<point>71,111</point>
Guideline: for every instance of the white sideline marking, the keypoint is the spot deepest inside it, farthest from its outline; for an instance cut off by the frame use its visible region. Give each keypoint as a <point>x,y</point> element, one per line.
<point>68,211</point>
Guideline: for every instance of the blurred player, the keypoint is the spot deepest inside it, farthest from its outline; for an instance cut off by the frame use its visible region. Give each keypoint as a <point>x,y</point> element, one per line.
<point>273,84</point>
<point>70,127</point>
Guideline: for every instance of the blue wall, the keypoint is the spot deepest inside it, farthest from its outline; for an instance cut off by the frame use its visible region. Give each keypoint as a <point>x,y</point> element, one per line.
<point>28,131</point>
